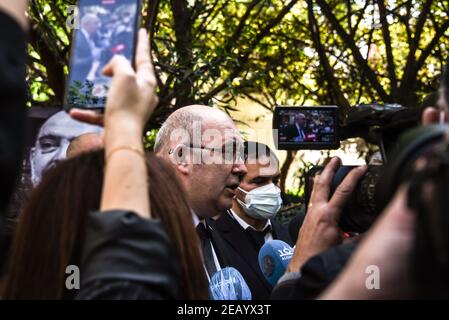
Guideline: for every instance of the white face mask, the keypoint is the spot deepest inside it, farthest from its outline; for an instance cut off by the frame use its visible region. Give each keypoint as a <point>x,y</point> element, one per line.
<point>263,202</point>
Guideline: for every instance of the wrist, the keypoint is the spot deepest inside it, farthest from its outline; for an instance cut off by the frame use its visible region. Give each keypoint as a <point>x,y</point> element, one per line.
<point>123,134</point>
<point>121,120</point>
<point>136,150</point>
<point>296,263</point>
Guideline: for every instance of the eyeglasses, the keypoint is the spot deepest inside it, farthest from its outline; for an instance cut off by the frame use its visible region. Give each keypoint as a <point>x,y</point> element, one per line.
<point>231,152</point>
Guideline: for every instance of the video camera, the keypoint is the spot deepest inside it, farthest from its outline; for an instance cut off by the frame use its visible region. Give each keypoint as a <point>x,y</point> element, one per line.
<point>322,127</point>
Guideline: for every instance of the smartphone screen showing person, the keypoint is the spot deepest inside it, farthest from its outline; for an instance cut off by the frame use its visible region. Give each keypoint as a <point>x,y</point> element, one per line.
<point>104,28</point>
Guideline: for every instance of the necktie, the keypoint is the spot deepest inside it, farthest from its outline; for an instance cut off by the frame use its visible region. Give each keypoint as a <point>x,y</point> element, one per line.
<point>258,237</point>
<point>206,247</point>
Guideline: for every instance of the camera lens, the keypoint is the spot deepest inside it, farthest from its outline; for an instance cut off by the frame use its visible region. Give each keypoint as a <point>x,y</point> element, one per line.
<point>361,210</point>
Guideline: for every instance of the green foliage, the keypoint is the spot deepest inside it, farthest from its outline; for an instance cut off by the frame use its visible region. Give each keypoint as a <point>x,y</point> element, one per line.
<point>150,139</point>
<point>271,51</point>
<point>290,52</point>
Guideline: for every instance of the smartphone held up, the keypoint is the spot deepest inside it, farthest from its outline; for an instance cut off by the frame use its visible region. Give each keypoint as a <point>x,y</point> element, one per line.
<point>105,28</point>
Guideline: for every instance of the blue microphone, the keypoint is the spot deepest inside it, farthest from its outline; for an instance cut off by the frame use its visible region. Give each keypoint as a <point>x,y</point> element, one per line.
<point>228,284</point>
<point>274,257</point>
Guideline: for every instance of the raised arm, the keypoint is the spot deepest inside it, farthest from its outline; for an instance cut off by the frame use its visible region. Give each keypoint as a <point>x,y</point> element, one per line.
<point>131,100</point>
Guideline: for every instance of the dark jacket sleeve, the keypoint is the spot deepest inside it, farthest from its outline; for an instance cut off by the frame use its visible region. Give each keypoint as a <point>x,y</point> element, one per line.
<point>315,276</point>
<point>127,257</point>
<point>12,102</point>
<point>12,114</point>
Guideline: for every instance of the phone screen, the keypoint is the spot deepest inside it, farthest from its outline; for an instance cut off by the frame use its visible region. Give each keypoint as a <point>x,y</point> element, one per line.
<point>104,28</point>
<point>306,127</point>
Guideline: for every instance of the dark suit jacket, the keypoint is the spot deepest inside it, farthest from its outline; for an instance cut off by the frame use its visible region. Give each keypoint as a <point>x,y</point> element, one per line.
<point>316,274</point>
<point>13,95</point>
<point>292,132</point>
<point>243,254</point>
<point>126,257</point>
<point>83,58</point>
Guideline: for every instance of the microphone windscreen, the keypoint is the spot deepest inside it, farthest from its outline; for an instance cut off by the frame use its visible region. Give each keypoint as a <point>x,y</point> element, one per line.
<point>274,257</point>
<point>228,284</point>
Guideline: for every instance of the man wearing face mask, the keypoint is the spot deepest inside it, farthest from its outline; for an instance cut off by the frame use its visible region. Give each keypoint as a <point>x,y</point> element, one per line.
<point>250,222</point>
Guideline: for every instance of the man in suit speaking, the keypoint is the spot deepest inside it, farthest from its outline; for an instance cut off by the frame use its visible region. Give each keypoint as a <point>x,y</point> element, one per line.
<point>250,222</point>
<point>298,131</point>
<point>209,175</point>
<point>86,51</point>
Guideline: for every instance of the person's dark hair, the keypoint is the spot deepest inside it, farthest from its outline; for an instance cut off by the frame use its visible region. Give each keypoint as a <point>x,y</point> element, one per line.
<point>421,162</point>
<point>427,196</point>
<point>51,229</point>
<point>254,150</point>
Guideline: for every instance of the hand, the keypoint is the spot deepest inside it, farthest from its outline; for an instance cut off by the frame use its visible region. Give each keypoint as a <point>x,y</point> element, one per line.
<point>131,99</point>
<point>388,246</point>
<point>320,229</point>
<point>431,115</point>
<point>16,9</point>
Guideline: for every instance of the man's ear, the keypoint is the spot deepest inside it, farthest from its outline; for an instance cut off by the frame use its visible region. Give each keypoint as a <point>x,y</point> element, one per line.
<point>179,158</point>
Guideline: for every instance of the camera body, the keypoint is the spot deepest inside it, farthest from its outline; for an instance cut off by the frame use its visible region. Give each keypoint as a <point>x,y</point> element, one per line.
<point>362,207</point>
<point>376,124</point>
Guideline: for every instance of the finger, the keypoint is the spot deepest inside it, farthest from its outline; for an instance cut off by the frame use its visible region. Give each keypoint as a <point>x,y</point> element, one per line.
<point>118,65</point>
<point>322,183</point>
<point>87,116</point>
<point>144,66</point>
<point>346,188</point>
<point>430,115</point>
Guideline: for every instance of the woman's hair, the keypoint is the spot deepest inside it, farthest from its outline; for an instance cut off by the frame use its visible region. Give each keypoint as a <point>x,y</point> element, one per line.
<point>51,229</point>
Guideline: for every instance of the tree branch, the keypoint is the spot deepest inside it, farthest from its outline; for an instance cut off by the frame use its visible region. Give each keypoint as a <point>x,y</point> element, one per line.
<point>243,59</point>
<point>350,43</point>
<point>332,82</point>
<point>183,45</point>
<point>428,49</point>
<point>409,76</point>
<point>150,23</point>
<point>387,38</point>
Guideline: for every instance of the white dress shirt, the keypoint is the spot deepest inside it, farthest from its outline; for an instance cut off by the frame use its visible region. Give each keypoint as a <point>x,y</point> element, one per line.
<point>244,225</point>
<point>301,136</point>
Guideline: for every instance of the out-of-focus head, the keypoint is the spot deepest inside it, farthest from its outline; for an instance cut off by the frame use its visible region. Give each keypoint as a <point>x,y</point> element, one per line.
<point>206,148</point>
<point>53,140</point>
<point>90,22</point>
<point>50,233</point>
<point>258,193</point>
<point>262,167</point>
<point>84,143</point>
